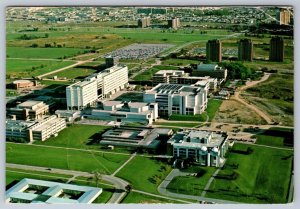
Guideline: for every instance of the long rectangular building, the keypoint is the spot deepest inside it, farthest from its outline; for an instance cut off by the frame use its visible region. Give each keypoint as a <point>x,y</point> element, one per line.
<point>126,111</point>
<point>110,80</point>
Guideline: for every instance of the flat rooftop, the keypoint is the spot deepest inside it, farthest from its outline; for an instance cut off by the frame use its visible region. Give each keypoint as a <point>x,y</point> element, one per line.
<point>29,104</point>
<point>192,139</point>
<point>53,192</point>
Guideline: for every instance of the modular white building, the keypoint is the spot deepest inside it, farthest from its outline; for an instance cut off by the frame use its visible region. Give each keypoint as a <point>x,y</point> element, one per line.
<point>49,192</point>
<point>35,130</point>
<point>81,95</point>
<point>177,99</point>
<point>110,80</point>
<point>206,148</point>
<point>126,111</point>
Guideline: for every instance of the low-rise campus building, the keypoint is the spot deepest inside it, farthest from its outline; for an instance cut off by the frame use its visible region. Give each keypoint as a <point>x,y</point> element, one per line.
<point>206,148</point>
<point>49,192</point>
<point>29,110</point>
<point>126,111</point>
<point>177,99</point>
<point>212,70</point>
<point>35,130</point>
<point>137,137</point>
<point>180,77</point>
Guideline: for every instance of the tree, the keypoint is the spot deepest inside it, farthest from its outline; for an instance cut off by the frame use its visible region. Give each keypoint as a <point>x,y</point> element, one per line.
<point>97,177</point>
<point>128,187</point>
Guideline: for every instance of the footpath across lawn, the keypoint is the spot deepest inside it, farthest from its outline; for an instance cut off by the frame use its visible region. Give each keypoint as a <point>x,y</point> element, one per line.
<point>145,173</point>
<point>259,176</point>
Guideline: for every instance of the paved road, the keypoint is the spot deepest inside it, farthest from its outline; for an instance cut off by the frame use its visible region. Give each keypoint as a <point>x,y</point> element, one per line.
<point>175,172</point>
<point>251,106</point>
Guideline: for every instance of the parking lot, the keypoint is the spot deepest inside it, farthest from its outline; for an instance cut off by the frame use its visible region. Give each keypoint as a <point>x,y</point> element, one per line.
<point>139,51</point>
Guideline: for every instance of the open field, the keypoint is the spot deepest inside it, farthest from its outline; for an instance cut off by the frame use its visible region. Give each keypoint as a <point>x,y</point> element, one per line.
<point>138,198</point>
<point>63,158</point>
<point>29,68</point>
<point>144,173</point>
<point>179,62</point>
<point>262,176</point>
<point>212,108</point>
<point>276,137</point>
<point>50,53</point>
<point>233,112</point>
<point>18,174</point>
<point>131,96</point>
<point>191,185</point>
<point>276,97</point>
<point>73,73</point>
<point>76,136</point>
<point>148,74</point>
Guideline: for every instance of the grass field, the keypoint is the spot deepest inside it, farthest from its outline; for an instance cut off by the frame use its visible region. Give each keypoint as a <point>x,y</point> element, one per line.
<point>63,158</point>
<point>212,107</point>
<point>276,137</point>
<point>148,74</point>
<point>179,62</point>
<point>76,136</point>
<point>131,96</point>
<point>138,198</point>
<point>263,176</point>
<point>73,73</point>
<point>28,68</point>
<point>191,185</point>
<point>276,97</point>
<point>13,174</point>
<point>144,173</point>
<point>51,53</point>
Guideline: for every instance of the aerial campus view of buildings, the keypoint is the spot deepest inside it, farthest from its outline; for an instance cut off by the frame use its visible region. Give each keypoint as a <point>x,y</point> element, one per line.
<point>176,105</point>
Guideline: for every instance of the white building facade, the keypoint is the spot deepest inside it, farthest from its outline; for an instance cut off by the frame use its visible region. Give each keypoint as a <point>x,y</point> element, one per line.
<point>110,80</point>
<point>206,148</point>
<point>177,99</point>
<point>126,112</point>
<point>81,95</point>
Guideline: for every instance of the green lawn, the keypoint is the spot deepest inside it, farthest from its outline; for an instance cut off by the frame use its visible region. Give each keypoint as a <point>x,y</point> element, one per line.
<point>131,96</point>
<point>179,62</point>
<point>276,137</point>
<point>19,174</point>
<point>53,53</point>
<point>148,74</point>
<point>73,73</point>
<point>76,136</point>
<point>63,158</point>
<point>144,173</point>
<point>212,107</point>
<point>263,176</point>
<point>138,198</point>
<point>28,68</point>
<point>191,185</point>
